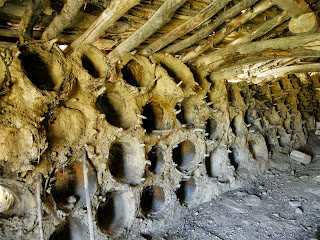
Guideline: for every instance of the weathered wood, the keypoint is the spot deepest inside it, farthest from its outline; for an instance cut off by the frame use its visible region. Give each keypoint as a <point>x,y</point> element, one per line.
<point>301,46</point>
<point>205,14</point>
<point>31,14</point>
<point>263,29</point>
<point>304,23</point>
<point>161,17</point>
<point>63,19</point>
<point>2,2</point>
<point>206,31</point>
<point>107,18</point>
<point>230,27</point>
<point>294,8</point>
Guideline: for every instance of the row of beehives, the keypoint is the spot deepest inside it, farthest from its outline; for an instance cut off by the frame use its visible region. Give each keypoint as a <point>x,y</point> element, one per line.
<point>157,135</point>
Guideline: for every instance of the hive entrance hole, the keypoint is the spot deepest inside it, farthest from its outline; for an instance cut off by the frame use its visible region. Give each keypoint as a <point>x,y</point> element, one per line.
<point>184,153</point>
<point>72,229</point>
<point>186,191</point>
<point>152,199</point>
<point>132,73</point>
<point>117,160</point>
<point>90,66</point>
<point>155,156</point>
<point>115,110</point>
<point>173,74</point>
<point>38,71</point>
<point>234,161</point>
<point>186,114</point>
<point>112,215</point>
<point>154,114</point>
<point>212,129</point>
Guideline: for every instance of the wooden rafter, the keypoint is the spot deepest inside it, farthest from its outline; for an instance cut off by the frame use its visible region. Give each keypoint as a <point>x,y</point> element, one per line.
<point>301,46</point>
<point>63,19</point>
<point>186,27</point>
<point>294,8</point>
<point>31,14</point>
<point>161,17</point>
<point>230,27</point>
<point>207,30</point>
<point>107,18</point>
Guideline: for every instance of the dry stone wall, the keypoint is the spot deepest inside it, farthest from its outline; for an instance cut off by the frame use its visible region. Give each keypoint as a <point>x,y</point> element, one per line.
<point>158,137</point>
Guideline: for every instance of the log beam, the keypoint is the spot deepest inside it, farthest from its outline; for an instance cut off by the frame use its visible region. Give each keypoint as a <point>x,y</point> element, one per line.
<point>160,18</point>
<point>30,16</point>
<point>205,14</point>
<point>301,46</point>
<point>307,22</point>
<point>230,27</point>
<point>63,19</point>
<point>294,8</point>
<point>206,31</point>
<point>107,18</point>
<point>263,29</point>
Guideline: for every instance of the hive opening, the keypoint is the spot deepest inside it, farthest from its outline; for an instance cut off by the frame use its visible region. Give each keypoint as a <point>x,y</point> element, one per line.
<point>212,129</point>
<point>156,157</point>
<point>186,114</point>
<point>113,106</point>
<point>125,162</point>
<point>233,158</point>
<point>152,199</point>
<point>72,229</point>
<point>91,66</point>
<point>184,154</point>
<point>186,191</point>
<point>173,74</point>
<point>113,215</point>
<point>39,70</point>
<point>133,74</point>
<point>154,115</point>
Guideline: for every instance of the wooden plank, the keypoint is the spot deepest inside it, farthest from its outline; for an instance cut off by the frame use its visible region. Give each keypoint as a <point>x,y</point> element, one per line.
<point>160,18</point>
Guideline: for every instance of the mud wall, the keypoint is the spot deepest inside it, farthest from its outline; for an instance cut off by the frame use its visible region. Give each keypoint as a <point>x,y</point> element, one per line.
<point>158,137</point>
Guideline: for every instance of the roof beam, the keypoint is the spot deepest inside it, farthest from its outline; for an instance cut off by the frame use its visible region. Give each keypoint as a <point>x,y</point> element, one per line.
<point>207,30</point>
<point>63,19</point>
<point>294,8</point>
<point>205,14</point>
<point>160,18</point>
<point>106,19</point>
<point>230,27</point>
<point>29,18</point>
<point>300,46</point>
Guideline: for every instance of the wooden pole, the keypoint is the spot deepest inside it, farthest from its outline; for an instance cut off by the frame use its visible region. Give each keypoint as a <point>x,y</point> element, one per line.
<point>301,46</point>
<point>160,18</point>
<point>211,10</point>
<point>294,8</point>
<point>63,19</point>
<point>206,31</point>
<point>107,18</point>
<point>230,27</point>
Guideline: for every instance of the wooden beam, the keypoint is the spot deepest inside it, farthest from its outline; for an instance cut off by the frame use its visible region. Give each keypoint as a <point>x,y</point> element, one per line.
<point>160,18</point>
<point>2,2</point>
<point>294,8</point>
<point>206,31</point>
<point>31,14</point>
<point>263,29</point>
<point>230,27</point>
<point>205,14</point>
<point>63,19</point>
<point>301,46</point>
<point>107,18</point>
<point>304,23</point>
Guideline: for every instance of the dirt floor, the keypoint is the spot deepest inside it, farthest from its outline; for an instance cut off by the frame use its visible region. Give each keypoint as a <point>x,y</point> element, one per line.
<point>283,203</point>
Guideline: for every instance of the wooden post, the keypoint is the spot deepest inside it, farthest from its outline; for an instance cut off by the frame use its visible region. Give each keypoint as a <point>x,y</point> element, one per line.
<point>107,18</point>
<point>186,27</point>
<point>294,8</point>
<point>161,17</point>
<point>63,19</point>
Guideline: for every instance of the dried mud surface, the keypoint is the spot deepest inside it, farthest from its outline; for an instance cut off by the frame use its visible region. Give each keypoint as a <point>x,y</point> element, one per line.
<point>158,138</point>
